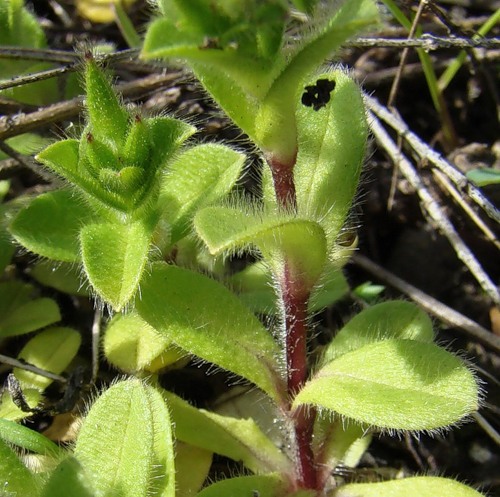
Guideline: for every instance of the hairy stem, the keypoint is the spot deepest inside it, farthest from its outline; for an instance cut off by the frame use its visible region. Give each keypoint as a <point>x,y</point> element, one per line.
<point>295,301</point>
<point>284,186</point>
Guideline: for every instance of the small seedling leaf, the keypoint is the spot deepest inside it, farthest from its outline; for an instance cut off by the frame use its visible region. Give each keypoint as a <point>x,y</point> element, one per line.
<point>68,477</point>
<point>52,350</point>
<point>50,224</point>
<point>114,256</point>
<point>384,321</point>
<point>395,384</point>
<point>64,277</point>
<point>228,436</point>
<point>30,316</point>
<point>125,443</point>
<point>204,318</point>
<point>417,486</point>
<point>132,345</point>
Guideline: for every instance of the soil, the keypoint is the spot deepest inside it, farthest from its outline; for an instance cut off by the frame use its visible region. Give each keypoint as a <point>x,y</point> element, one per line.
<point>393,229</point>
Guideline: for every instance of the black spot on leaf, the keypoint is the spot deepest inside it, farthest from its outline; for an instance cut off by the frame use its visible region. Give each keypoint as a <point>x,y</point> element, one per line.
<point>318,95</point>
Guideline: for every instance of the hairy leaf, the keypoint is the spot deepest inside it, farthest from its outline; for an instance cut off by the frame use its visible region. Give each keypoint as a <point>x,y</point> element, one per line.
<point>50,224</point>
<point>239,439</point>
<point>302,243</point>
<point>125,444</point>
<point>68,475</point>
<point>133,345</point>
<point>417,486</point>
<point>331,148</point>
<point>114,256</point>
<point>384,321</point>
<point>197,177</point>
<point>207,320</point>
<point>396,384</point>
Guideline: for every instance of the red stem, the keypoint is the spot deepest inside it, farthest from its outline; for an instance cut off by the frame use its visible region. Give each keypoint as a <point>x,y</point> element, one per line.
<point>295,302</point>
<point>284,185</point>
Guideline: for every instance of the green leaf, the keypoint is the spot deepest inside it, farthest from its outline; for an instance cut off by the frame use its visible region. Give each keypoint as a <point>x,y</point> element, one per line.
<point>108,119</point>
<point>302,243</point>
<point>19,313</point>
<point>254,286</point>
<point>52,350</point>
<point>271,485</point>
<point>331,149</point>
<point>132,345</point>
<point>63,158</point>
<point>201,316</point>
<point>27,144</point>
<point>368,291</point>
<point>395,384</point>
<point>64,277</point>
<point>68,479</point>
<point>50,224</point>
<point>338,441</point>
<point>275,121</point>
<point>417,486</point>
<point>29,317</point>
<point>27,439</point>
<point>114,256</point>
<point>192,465</point>
<point>10,411</point>
<point>16,478</point>
<point>235,438</point>
<point>125,444</point>
<point>331,287</point>
<point>483,176</point>
<point>384,321</point>
<point>197,177</point>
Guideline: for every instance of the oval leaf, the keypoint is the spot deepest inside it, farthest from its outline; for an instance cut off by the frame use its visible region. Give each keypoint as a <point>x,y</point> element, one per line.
<point>52,350</point>
<point>49,226</point>
<point>114,256</point>
<point>197,177</point>
<point>395,384</point>
<point>393,319</point>
<point>330,153</point>
<point>418,486</point>
<point>68,478</point>
<point>204,318</point>
<point>302,242</point>
<point>133,345</point>
<point>125,444</point>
